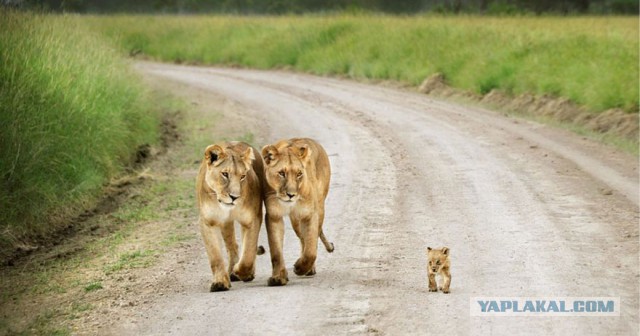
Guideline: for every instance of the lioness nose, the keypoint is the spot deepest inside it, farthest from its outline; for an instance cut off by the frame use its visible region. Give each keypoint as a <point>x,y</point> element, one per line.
<point>233,198</point>
<point>290,195</point>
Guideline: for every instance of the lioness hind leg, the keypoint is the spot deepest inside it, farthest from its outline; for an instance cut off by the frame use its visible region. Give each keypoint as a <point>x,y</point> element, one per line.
<point>211,235</point>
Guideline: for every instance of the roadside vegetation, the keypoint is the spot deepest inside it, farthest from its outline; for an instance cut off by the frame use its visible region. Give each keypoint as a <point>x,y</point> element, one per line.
<point>71,116</point>
<point>593,61</point>
<point>109,264</point>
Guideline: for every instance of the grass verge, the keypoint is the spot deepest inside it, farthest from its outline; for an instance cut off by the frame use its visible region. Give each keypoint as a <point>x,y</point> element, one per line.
<point>50,291</point>
<point>71,116</point>
<point>591,60</point>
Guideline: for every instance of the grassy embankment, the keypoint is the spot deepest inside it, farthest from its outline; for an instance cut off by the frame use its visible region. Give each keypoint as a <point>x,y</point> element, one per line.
<point>71,116</point>
<point>593,61</point>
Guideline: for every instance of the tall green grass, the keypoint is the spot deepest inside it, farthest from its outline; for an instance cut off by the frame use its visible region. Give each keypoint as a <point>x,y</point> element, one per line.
<point>71,115</point>
<point>591,60</point>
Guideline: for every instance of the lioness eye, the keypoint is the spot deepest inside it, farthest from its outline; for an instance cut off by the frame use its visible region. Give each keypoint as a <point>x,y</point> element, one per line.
<point>281,174</point>
<point>299,174</point>
<point>242,177</point>
<point>225,174</point>
<point>438,262</point>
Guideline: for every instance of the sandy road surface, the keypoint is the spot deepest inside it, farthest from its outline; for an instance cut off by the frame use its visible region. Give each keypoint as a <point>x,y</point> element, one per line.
<point>525,209</point>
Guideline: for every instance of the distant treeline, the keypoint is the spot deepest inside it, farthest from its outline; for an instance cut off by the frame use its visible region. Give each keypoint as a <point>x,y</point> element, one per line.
<point>491,7</point>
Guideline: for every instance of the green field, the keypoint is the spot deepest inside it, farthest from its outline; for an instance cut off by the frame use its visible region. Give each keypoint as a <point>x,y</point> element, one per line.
<point>591,60</point>
<point>71,116</point>
<point>72,111</point>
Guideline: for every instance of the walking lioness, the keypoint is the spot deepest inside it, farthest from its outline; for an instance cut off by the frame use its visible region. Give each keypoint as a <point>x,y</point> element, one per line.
<point>229,188</point>
<point>297,173</point>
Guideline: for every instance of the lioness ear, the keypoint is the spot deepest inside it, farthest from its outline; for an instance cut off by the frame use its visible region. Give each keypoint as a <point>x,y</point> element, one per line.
<point>248,157</point>
<point>214,154</point>
<point>270,154</point>
<point>303,152</point>
<point>429,248</point>
<point>445,250</point>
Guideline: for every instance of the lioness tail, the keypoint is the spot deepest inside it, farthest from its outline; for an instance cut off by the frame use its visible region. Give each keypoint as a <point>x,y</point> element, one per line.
<point>327,245</point>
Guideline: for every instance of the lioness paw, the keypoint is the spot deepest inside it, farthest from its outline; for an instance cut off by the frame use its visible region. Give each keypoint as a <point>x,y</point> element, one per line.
<point>433,289</point>
<point>312,271</point>
<point>248,278</point>
<point>234,277</point>
<point>219,287</point>
<point>277,281</point>
<point>304,266</point>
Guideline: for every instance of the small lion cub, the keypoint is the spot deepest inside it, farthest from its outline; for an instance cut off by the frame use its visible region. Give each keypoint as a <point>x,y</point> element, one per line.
<point>438,264</point>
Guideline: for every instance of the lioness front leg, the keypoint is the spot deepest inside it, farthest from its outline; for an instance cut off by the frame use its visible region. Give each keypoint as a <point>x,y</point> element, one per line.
<point>212,240</point>
<point>275,234</point>
<point>305,264</point>
<point>229,236</point>
<point>245,268</point>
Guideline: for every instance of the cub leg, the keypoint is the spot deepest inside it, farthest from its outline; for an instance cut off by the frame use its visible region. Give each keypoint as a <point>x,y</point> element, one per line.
<point>432,282</point>
<point>446,275</point>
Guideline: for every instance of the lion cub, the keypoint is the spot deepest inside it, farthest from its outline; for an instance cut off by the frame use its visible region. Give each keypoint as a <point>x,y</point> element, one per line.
<point>438,264</point>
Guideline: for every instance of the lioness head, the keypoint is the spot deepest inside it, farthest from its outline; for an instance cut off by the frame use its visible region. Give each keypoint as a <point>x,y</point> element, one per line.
<point>226,172</point>
<point>285,171</point>
<point>437,258</point>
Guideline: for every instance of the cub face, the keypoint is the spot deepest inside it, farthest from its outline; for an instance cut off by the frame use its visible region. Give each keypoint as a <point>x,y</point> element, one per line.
<point>285,172</point>
<point>226,173</point>
<point>438,258</point>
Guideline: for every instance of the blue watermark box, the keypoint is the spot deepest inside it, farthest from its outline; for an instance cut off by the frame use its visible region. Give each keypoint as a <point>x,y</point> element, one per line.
<point>544,306</point>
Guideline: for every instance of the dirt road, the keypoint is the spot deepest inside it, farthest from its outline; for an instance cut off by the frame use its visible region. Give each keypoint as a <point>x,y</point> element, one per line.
<point>527,211</point>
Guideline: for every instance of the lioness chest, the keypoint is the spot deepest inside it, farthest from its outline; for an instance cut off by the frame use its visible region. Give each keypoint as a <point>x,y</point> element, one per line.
<point>297,209</point>
<point>215,213</point>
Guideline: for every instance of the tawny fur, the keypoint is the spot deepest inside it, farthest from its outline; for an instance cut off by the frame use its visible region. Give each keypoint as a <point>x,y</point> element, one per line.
<point>229,188</point>
<point>297,173</point>
<point>439,264</point>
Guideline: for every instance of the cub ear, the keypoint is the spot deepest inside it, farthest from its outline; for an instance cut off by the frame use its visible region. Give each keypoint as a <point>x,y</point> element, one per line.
<point>445,250</point>
<point>248,157</point>
<point>429,248</point>
<point>270,154</point>
<point>304,152</point>
<point>214,155</point>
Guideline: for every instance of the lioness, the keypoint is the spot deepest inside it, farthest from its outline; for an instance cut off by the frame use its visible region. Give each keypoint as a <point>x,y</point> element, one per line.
<point>229,188</point>
<point>297,173</point>
<point>439,264</point>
